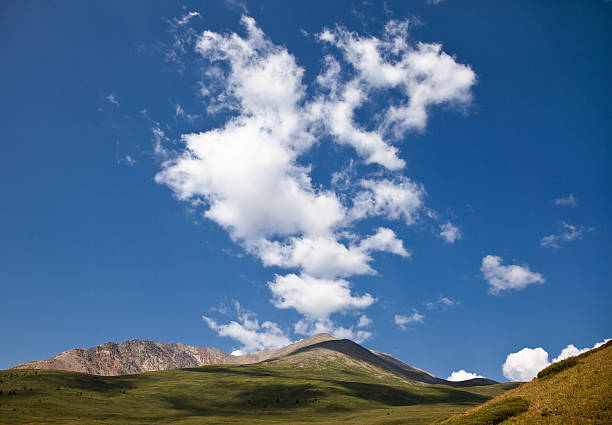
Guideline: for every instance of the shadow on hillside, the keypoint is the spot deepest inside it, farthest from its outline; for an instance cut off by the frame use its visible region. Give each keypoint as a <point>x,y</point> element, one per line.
<point>260,396</point>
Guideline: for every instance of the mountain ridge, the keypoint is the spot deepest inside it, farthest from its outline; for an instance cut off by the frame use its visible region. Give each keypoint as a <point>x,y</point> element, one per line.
<point>139,356</point>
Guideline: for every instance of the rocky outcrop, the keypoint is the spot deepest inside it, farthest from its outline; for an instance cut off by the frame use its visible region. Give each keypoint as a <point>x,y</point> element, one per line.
<point>130,357</point>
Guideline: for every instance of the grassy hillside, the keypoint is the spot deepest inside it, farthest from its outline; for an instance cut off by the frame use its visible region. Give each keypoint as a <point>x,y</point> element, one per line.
<point>332,390</point>
<point>574,391</point>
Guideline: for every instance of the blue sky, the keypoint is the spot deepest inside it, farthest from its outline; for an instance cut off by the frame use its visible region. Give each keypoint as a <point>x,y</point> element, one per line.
<point>430,179</point>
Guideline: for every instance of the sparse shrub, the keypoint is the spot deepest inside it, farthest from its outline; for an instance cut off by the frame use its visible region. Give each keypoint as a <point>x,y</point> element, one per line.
<point>558,367</point>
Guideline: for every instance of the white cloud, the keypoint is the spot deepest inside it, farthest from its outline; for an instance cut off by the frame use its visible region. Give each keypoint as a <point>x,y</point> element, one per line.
<point>442,302</point>
<point>392,199</point>
<point>568,201</point>
<point>112,98</point>
<point>402,321</point>
<point>186,18</point>
<point>364,321</point>
<point>311,327</point>
<point>316,298</point>
<point>462,375</point>
<point>423,74</point>
<point>568,234</point>
<point>249,332</point>
<point>571,350</point>
<point>504,278</point>
<point>247,175</point>
<point>525,364</point>
<point>325,257</point>
<point>450,232</point>
<point>129,160</point>
<point>384,240</point>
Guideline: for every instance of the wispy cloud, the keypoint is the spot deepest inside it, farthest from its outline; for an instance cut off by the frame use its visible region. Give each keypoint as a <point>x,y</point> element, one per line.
<point>403,320</point>
<point>569,233</point>
<point>112,98</point>
<point>442,302</point>
<point>568,201</point>
<point>249,332</point>
<point>187,17</point>
<point>127,160</point>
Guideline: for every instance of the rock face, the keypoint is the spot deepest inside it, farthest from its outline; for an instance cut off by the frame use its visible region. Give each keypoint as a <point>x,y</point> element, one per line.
<point>135,356</point>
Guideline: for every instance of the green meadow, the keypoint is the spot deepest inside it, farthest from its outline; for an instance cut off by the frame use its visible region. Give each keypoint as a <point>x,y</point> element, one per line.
<point>264,393</point>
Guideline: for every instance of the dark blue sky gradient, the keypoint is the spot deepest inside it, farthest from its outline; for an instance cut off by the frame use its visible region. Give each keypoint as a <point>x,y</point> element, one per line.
<point>93,250</point>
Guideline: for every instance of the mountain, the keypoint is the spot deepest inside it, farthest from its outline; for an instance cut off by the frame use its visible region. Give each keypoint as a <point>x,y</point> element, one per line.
<point>137,356</point>
<point>320,379</point>
<point>576,390</point>
<point>130,357</point>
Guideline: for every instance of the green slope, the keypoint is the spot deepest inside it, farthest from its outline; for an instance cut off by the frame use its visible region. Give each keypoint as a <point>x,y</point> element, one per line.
<point>573,391</point>
<point>337,389</point>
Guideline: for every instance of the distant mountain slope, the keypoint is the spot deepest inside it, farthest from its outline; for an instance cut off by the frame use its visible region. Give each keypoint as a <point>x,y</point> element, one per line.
<point>348,351</point>
<point>259,356</point>
<point>138,356</point>
<point>130,357</point>
<point>577,390</point>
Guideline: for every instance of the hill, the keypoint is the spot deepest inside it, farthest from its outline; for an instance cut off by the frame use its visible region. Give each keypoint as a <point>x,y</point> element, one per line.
<point>577,390</point>
<point>318,380</point>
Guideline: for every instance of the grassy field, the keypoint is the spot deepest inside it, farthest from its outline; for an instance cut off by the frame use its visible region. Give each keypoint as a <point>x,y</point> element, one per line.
<point>573,391</point>
<point>264,393</point>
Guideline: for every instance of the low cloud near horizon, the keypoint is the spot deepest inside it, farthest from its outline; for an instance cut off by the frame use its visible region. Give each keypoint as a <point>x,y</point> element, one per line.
<point>462,375</point>
<point>524,365</point>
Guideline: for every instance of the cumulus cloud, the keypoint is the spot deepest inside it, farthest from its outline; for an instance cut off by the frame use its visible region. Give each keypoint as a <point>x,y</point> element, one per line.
<point>364,321</point>
<point>247,173</point>
<point>569,233</point>
<point>325,256</point>
<point>504,278</point>
<point>571,350</point>
<point>424,75</point>
<point>462,375</point>
<point>399,199</point>
<point>316,298</point>
<point>450,232</point>
<point>402,321</point>
<point>525,364</point>
<point>249,332</point>
<point>568,201</point>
